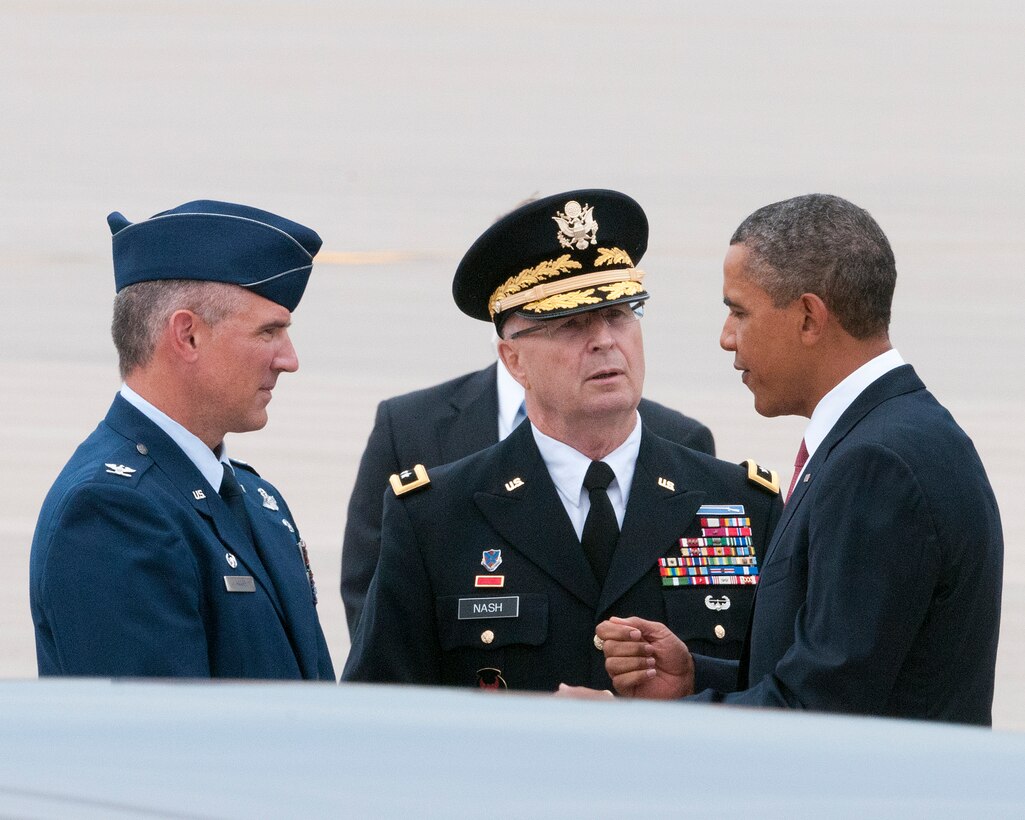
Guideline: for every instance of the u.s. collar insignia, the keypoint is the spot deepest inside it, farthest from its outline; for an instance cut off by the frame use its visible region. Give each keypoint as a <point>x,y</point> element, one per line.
<point>515,484</point>
<point>120,469</point>
<point>717,604</point>
<point>577,228</point>
<point>491,560</point>
<point>666,484</point>
<point>269,501</point>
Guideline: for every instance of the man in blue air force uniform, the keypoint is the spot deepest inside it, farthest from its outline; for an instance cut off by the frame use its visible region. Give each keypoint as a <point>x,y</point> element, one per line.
<point>495,570</point>
<point>154,554</point>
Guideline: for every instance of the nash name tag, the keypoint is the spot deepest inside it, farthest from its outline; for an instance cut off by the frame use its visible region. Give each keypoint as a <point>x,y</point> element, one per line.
<point>506,607</point>
<point>239,583</point>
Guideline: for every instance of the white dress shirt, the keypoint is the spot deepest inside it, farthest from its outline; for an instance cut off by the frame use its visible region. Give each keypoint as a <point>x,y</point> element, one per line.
<point>567,468</point>
<point>833,405</point>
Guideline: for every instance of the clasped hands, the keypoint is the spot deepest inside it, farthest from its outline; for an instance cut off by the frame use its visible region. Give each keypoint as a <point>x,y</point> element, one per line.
<point>644,659</point>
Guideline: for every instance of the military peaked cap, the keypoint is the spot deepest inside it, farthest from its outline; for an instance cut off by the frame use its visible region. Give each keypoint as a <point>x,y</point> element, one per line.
<point>556,256</point>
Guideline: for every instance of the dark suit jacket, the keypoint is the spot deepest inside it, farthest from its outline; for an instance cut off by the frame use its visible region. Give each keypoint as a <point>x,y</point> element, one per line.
<point>435,426</point>
<point>880,593</point>
<point>416,630</point>
<point>129,568</point>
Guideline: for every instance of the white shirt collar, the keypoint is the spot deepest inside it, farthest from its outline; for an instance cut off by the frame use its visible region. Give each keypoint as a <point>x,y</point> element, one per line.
<point>833,405</point>
<point>567,467</point>
<point>510,397</point>
<point>207,462</point>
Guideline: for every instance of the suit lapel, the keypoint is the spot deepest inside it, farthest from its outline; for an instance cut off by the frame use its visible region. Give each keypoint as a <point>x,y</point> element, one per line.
<point>531,516</point>
<point>897,382</point>
<point>186,478</point>
<point>655,518</point>
<point>473,423</point>
<point>282,560</point>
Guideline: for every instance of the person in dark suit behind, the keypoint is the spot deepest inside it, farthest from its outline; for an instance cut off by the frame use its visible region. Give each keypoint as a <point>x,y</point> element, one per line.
<point>880,593</point>
<point>495,569</point>
<point>155,555</point>
<point>444,423</point>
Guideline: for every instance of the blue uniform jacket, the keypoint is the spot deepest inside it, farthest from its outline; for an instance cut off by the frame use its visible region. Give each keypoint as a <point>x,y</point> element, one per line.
<point>429,620</point>
<point>436,426</point>
<point>880,592</point>
<point>133,558</point>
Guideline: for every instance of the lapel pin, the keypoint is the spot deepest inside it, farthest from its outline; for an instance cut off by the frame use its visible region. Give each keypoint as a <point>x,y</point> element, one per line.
<point>666,483</point>
<point>231,559</point>
<point>288,525</point>
<point>120,469</point>
<point>199,495</point>
<point>807,478</point>
<point>269,501</point>
<point>515,484</point>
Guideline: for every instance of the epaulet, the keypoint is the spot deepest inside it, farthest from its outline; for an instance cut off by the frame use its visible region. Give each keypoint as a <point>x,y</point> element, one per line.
<point>409,480</point>
<point>128,462</point>
<point>236,463</point>
<point>766,479</point>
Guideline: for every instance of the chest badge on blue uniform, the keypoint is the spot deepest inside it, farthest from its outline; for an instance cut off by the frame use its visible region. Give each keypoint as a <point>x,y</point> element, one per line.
<point>231,559</point>
<point>269,501</point>
<point>491,560</point>
<point>120,469</point>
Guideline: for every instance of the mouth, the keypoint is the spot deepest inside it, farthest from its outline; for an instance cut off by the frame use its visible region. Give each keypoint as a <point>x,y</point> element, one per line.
<point>744,373</point>
<point>605,375</point>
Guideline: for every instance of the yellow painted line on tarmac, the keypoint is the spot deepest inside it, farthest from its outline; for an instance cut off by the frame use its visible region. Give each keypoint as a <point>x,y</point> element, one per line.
<point>366,257</point>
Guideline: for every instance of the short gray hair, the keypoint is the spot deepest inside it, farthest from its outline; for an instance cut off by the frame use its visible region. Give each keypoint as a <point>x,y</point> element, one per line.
<point>142,310</point>
<point>828,246</point>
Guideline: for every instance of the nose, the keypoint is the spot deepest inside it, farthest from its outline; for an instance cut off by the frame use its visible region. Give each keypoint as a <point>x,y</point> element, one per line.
<point>286,361</point>
<point>600,333</point>
<point>728,337</point>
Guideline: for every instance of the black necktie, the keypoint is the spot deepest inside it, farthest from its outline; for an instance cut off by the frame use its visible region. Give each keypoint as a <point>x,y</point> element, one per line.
<point>601,530</point>
<point>231,492</point>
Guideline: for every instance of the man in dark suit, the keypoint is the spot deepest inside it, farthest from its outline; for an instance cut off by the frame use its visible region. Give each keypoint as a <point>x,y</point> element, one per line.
<point>441,424</point>
<point>156,555</point>
<point>880,592</point>
<point>495,569</point>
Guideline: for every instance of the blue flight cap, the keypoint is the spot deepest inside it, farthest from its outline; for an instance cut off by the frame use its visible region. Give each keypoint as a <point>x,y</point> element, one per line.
<point>217,242</point>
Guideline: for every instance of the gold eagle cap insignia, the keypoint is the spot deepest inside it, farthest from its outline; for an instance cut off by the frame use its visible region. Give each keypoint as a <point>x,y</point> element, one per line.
<point>577,226</point>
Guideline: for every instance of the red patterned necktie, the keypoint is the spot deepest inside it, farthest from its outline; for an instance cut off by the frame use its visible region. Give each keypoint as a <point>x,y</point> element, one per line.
<point>802,457</point>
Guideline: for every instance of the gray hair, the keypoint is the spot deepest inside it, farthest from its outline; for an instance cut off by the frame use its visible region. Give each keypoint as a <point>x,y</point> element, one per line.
<point>141,312</point>
<point>828,246</point>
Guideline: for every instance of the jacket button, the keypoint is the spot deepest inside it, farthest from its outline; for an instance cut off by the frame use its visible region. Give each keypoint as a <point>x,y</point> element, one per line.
<point>720,631</point>
<point>487,636</point>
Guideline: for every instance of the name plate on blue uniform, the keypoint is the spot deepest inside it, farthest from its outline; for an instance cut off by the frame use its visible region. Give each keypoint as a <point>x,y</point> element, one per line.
<point>239,583</point>
<point>504,607</point>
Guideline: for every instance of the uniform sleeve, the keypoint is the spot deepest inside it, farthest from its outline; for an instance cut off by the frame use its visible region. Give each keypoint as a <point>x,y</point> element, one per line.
<point>396,640</point>
<point>361,545</point>
<point>873,563</point>
<point>121,590</point>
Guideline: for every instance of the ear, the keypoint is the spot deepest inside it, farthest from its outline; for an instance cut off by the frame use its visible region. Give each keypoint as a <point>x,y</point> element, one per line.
<point>182,328</point>
<point>509,353</point>
<point>814,319</point>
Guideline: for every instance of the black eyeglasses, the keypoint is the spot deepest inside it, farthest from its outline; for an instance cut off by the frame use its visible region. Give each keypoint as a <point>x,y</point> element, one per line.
<point>576,327</point>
